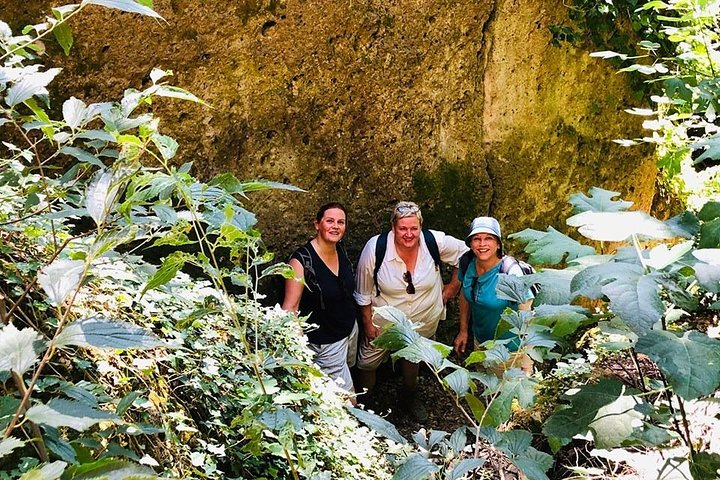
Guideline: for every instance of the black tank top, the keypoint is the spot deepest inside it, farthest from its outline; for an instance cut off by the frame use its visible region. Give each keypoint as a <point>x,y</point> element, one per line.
<point>333,292</point>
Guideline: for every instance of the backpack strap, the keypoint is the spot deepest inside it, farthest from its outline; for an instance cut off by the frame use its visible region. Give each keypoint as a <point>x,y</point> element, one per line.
<point>507,262</point>
<point>432,247</point>
<point>465,260</point>
<point>380,249</point>
<point>309,272</point>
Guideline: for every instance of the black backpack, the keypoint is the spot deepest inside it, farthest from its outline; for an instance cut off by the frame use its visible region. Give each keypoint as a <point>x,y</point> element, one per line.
<point>309,270</point>
<point>506,264</point>
<point>381,248</point>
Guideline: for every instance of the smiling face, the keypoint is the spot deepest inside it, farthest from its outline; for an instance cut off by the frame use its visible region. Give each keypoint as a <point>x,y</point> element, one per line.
<point>331,227</point>
<point>485,246</point>
<point>407,232</point>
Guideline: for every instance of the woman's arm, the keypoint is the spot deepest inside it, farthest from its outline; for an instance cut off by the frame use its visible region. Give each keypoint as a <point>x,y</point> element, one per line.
<point>462,336</point>
<point>293,287</point>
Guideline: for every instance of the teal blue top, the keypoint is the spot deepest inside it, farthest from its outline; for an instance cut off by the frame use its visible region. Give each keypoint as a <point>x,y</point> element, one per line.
<point>485,306</point>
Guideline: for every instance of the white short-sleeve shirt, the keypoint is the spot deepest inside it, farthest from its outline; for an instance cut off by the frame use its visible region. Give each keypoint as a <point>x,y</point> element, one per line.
<point>425,307</point>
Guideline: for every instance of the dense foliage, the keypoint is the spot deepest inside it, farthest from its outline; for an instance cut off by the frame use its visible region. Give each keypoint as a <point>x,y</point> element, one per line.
<point>115,367</point>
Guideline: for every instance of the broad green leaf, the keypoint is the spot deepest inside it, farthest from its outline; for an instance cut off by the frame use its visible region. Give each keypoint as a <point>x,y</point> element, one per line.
<point>564,319</point>
<point>398,332</point>
<point>7,445</point>
<point>282,269</point>
<point>619,226</point>
<point>708,276</point>
<point>165,213</point>
<point>555,286</point>
<point>616,421</point>
<point>82,155</point>
<point>533,464</point>
<point>125,403</point>
<point>422,350</point>
<point>513,288</point>
<point>101,195</point>
<point>8,408</point>
<point>124,5</point>
<point>111,469</point>
<point>514,442</point>
<point>514,388</point>
<point>49,471</point>
<point>458,381</point>
<point>173,92</point>
<point>166,145</point>
<point>661,256</point>
<point>68,413</point>
<point>711,147</point>
<point>416,467</point>
<point>685,225</point>
<point>600,200</point>
<point>64,37</point>
<point>690,362</point>
<point>705,465</point>
<point>464,466</point>
<point>551,247</point>
<point>457,440</point>
<point>19,349</point>
<point>60,278</point>
<point>710,234</point>
<point>58,445</point>
<point>170,267</point>
<point>585,402</point>
<point>282,418</point>
<point>74,111</point>
<point>30,85</point>
<point>710,211</point>
<point>379,424</point>
<point>102,333</point>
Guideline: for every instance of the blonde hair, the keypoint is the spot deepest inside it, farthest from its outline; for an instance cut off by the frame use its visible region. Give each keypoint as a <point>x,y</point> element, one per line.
<point>406,209</point>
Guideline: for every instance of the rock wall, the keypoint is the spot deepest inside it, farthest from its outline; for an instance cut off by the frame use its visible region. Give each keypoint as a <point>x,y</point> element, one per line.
<point>463,106</point>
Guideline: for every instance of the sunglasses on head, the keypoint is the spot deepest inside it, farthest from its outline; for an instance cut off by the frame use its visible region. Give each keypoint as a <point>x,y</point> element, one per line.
<point>407,209</point>
<point>407,277</point>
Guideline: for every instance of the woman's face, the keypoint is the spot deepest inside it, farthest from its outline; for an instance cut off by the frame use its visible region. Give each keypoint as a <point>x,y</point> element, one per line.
<point>407,232</point>
<point>331,226</point>
<point>485,246</point>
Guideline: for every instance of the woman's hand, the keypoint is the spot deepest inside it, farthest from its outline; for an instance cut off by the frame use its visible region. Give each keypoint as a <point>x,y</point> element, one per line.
<point>460,342</point>
<point>371,332</point>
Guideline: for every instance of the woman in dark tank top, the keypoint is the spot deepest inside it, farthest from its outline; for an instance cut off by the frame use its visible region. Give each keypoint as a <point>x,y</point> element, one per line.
<point>326,298</point>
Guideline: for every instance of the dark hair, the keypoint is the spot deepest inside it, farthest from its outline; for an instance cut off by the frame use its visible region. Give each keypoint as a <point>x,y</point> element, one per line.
<point>328,206</point>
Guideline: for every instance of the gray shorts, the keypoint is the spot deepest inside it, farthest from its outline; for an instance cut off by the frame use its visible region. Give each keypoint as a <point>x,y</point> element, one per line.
<point>333,359</point>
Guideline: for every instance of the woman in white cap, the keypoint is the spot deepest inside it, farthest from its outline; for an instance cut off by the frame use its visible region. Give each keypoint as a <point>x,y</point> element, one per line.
<point>479,301</point>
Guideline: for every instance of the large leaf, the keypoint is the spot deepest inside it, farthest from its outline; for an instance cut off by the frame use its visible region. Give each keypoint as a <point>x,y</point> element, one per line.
<point>600,200</point>
<point>710,211</point>
<point>169,269</point>
<point>705,465</point>
<point>619,226</point>
<point>68,413</point>
<point>60,278</point>
<point>710,234</point>
<point>551,248</point>
<point>564,319</point>
<point>422,350</point>
<point>458,381</point>
<point>555,286</point>
<point>616,421</point>
<point>660,256</point>
<point>398,332</point>
<point>690,362</point>
<point>19,349</point>
<point>514,388</point>
<point>101,195</point>
<point>49,471</point>
<point>464,466</point>
<point>74,111</point>
<point>124,5</point>
<point>514,288</point>
<point>30,85</point>
<point>415,467</point>
<point>634,297</point>
<point>111,469</point>
<point>707,271</point>
<point>533,464</point>
<point>103,333</point>
<point>379,424</point>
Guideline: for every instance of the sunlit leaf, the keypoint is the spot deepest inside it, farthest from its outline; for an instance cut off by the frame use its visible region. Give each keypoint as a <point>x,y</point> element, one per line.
<point>551,247</point>
<point>124,5</point>
<point>101,195</point>
<point>166,145</point>
<point>74,112</point>
<point>7,445</point>
<point>661,256</point>
<point>600,200</point>
<point>111,469</point>
<point>68,413</point>
<point>416,467</point>
<point>691,361</point>
<point>379,424</point>
<point>170,267</point>
<point>49,471</point>
<point>63,35</point>
<point>515,388</point>
<point>458,381</point>
<point>60,278</point>
<point>564,319</point>
<point>464,466</point>
<point>102,333</point>
<point>619,226</point>
<point>30,85</point>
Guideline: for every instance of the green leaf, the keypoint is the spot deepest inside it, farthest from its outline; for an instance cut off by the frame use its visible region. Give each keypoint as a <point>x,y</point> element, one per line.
<point>705,466</point>
<point>126,402</point>
<point>124,5</point>
<point>616,421</point>
<point>416,467</point>
<point>711,147</point>
<point>464,466</point>
<point>63,35</point>
<point>551,248</point>
<point>513,288</point>
<point>685,225</point>
<point>58,445</point>
<point>173,92</point>
<point>50,471</point>
<point>7,445</point>
<point>60,278</point>
<point>29,85</point>
<point>101,195</point>
<point>660,256</point>
<point>691,361</point>
<point>74,112</point>
<point>710,211</point>
<point>378,424</point>
<point>514,442</point>
<point>710,234</point>
<point>102,333</point>
<point>533,464</point>
<point>619,226</point>
<point>476,407</point>
<point>520,388</point>
<point>565,319</point>
<point>421,350</point>
<point>555,286</point>
<point>110,469</point>
<point>166,145</point>
<point>170,267</point>
<point>8,408</point>
<point>68,413</point>
<point>19,349</point>
<point>458,381</point>
<point>600,200</point>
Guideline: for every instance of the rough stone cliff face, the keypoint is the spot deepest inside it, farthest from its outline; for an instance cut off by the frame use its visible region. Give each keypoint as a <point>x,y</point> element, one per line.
<point>463,106</point>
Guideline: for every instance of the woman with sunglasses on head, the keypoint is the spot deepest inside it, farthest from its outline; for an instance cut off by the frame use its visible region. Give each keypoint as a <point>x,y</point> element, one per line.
<point>326,297</point>
<point>479,304</point>
<point>408,278</point>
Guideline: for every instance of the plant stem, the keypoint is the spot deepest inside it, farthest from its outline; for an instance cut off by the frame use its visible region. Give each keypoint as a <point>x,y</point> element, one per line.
<point>38,444</point>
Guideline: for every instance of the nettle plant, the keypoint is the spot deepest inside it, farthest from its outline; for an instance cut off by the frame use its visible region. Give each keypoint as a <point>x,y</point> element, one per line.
<point>644,293</point>
<point>110,364</point>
